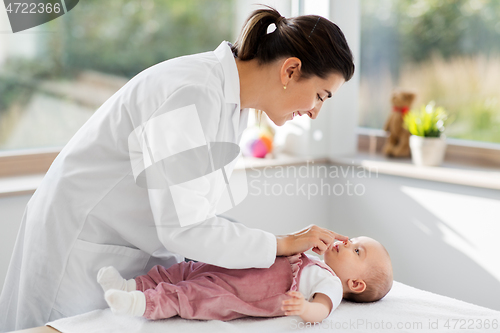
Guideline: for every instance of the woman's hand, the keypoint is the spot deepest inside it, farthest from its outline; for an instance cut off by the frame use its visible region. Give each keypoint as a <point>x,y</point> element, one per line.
<point>317,238</point>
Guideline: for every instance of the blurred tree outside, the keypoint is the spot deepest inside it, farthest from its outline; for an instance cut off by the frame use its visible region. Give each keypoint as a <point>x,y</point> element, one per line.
<point>95,49</point>
<point>124,37</point>
<point>446,50</point>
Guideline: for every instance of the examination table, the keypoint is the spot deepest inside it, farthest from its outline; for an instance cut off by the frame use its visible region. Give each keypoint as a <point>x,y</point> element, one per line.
<point>404,309</point>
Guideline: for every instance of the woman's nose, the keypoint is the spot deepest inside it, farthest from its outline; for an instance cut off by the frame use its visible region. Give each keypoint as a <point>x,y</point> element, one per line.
<point>314,112</point>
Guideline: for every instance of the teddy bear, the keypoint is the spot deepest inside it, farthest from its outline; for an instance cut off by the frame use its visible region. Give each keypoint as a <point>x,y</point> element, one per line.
<point>398,141</point>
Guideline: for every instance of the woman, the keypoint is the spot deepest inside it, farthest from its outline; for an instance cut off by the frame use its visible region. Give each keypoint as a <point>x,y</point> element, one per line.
<point>137,185</point>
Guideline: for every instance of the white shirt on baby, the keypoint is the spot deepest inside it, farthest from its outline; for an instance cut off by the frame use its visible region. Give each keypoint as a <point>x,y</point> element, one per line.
<point>315,279</point>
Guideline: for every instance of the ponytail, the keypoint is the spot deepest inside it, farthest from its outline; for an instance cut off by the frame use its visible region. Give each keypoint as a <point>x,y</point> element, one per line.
<point>317,42</point>
<point>254,30</point>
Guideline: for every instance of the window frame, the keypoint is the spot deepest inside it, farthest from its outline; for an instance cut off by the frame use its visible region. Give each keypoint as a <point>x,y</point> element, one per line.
<point>461,152</point>
<point>458,151</point>
<point>26,162</point>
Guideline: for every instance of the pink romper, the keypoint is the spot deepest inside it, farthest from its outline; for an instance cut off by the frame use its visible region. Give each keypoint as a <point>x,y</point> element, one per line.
<point>195,290</point>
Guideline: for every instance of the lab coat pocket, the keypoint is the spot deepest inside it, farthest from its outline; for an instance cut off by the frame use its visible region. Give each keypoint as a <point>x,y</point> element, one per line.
<point>79,291</point>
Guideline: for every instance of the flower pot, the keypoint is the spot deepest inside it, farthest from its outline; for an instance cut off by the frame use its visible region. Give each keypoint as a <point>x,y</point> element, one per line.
<point>427,151</point>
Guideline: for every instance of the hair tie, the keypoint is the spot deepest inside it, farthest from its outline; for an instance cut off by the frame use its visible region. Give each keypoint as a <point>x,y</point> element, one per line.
<point>273,26</point>
<point>314,27</point>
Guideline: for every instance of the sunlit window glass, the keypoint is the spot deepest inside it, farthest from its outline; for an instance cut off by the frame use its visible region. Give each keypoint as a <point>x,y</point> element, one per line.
<point>53,77</point>
<point>447,51</point>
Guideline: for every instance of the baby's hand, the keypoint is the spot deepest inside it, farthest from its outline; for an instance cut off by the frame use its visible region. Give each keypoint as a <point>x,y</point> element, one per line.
<point>294,306</point>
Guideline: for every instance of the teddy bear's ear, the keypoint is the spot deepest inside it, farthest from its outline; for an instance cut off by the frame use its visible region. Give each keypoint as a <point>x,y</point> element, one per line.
<point>409,96</point>
<point>396,95</point>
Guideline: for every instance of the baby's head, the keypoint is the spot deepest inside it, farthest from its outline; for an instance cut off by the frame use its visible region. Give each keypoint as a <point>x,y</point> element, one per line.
<point>364,267</point>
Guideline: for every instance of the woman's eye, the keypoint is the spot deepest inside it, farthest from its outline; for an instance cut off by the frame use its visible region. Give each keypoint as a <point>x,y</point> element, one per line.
<point>319,97</point>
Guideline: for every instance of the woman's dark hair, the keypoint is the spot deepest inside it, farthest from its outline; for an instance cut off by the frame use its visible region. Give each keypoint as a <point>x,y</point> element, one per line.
<point>317,42</point>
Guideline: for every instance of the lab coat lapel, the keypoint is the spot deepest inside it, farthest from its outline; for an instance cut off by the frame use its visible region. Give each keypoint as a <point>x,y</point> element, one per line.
<point>232,87</point>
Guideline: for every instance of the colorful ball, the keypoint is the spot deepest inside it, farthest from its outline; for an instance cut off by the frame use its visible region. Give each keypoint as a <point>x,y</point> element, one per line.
<point>257,143</point>
<point>259,148</point>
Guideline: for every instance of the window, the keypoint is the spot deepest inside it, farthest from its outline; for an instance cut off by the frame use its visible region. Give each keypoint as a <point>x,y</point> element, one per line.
<point>53,77</point>
<point>446,51</point>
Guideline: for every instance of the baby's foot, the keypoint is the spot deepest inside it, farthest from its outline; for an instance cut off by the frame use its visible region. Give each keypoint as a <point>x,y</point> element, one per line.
<point>131,303</point>
<point>110,278</point>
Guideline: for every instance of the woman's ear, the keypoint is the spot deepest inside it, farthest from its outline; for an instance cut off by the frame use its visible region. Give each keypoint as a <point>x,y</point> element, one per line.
<point>290,69</point>
<point>356,286</point>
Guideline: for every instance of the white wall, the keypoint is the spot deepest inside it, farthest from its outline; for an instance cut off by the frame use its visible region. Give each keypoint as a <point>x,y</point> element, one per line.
<point>442,237</point>
<point>269,206</point>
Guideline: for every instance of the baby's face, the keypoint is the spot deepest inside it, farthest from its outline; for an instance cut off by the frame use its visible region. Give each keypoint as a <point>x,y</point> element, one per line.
<point>352,260</point>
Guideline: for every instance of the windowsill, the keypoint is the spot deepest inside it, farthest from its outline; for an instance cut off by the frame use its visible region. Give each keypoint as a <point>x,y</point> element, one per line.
<point>466,163</point>
<point>281,160</point>
<point>461,152</point>
<point>450,172</point>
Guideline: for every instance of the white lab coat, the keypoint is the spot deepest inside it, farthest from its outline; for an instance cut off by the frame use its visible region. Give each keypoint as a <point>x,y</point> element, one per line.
<point>89,211</point>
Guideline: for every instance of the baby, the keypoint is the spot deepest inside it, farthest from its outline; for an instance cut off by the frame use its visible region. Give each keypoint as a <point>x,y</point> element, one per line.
<point>359,270</point>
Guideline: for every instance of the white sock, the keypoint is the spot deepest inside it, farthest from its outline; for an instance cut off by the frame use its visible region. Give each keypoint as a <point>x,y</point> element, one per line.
<point>132,303</point>
<point>110,278</point>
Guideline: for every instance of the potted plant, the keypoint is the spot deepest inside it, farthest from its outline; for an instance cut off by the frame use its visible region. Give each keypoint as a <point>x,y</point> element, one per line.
<point>427,141</point>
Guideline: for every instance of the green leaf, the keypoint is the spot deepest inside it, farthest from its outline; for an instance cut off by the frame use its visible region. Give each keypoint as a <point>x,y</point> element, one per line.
<point>428,121</point>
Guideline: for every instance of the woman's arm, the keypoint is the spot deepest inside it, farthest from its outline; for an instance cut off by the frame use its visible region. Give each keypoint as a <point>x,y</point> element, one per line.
<point>184,203</point>
<point>317,238</point>
<point>314,311</point>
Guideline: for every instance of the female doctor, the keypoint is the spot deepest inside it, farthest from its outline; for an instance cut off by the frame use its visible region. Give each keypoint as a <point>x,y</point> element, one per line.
<point>139,183</point>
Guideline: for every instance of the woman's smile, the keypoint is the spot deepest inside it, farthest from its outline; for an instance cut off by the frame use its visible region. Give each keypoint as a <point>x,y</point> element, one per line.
<point>297,113</point>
